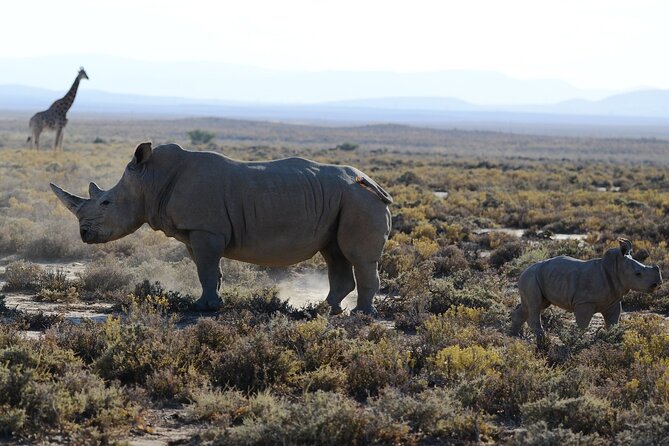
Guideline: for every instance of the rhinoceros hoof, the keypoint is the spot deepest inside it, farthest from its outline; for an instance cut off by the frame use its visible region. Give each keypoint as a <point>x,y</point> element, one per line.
<point>336,310</point>
<point>208,305</point>
<point>370,311</point>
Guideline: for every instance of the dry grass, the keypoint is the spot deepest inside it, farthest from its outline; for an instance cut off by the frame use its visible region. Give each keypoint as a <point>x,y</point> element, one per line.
<point>262,372</point>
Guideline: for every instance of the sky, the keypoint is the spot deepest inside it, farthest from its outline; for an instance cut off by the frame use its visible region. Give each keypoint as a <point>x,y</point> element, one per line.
<point>591,44</point>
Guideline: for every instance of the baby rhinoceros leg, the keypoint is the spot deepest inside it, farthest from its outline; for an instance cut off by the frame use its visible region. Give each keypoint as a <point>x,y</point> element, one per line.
<point>583,314</point>
<point>518,317</point>
<point>612,314</point>
<point>532,302</point>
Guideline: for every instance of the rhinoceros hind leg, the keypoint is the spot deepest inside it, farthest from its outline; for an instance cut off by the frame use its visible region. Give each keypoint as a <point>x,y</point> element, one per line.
<point>518,317</point>
<point>367,283</point>
<point>340,277</point>
<point>207,250</point>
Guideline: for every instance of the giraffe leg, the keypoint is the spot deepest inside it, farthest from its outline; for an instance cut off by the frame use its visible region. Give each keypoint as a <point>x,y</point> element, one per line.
<point>58,143</point>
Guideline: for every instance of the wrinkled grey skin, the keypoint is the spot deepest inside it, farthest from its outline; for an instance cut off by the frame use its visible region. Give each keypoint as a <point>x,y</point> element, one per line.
<point>584,287</point>
<point>274,213</point>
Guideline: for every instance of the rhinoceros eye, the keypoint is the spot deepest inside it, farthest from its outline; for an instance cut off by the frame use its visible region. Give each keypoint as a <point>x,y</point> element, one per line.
<point>105,203</point>
<point>638,273</point>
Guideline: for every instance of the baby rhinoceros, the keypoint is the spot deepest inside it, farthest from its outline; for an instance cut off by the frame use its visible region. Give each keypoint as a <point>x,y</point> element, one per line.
<point>584,287</point>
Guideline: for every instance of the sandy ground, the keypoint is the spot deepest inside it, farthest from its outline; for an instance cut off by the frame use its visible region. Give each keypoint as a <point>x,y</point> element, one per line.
<point>520,232</point>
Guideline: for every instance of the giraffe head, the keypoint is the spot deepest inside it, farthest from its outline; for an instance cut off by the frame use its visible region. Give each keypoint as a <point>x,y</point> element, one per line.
<point>82,73</point>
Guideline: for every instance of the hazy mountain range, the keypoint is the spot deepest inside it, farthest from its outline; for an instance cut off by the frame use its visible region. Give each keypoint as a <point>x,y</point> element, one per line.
<point>127,86</point>
<point>639,104</point>
<point>220,81</point>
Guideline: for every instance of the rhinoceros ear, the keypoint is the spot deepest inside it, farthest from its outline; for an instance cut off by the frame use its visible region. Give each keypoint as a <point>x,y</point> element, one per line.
<point>72,202</point>
<point>94,191</point>
<point>625,246</point>
<point>142,153</point>
<point>641,255</point>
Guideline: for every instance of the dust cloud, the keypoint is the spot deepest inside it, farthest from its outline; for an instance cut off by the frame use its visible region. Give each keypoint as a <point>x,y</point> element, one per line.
<point>301,289</point>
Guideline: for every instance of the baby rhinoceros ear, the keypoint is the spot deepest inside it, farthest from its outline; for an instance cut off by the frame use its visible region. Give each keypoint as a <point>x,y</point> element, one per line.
<point>625,246</point>
<point>142,153</point>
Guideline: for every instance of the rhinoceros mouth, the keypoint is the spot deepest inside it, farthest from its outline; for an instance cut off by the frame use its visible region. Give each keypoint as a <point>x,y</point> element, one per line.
<point>653,287</point>
<point>91,237</point>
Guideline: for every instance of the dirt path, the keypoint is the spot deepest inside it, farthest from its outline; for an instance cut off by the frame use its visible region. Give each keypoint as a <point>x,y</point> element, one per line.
<point>165,426</point>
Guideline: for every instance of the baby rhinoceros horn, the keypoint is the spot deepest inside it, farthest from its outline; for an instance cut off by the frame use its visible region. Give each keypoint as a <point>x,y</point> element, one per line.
<point>71,202</point>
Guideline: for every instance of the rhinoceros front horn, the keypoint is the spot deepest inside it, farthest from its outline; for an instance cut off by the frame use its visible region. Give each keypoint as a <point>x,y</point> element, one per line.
<point>625,246</point>
<point>72,202</point>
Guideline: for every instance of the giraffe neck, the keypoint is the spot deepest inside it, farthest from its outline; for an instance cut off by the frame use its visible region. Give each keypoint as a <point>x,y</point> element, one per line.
<point>67,100</point>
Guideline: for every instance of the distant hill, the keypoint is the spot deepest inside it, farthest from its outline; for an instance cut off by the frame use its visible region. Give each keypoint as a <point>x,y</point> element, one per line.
<point>230,82</point>
<point>642,113</point>
<point>648,103</point>
<point>409,103</point>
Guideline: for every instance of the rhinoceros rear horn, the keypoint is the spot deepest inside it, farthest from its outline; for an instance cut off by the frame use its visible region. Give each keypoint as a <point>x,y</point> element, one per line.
<point>94,191</point>
<point>72,202</point>
<point>625,246</point>
<point>142,153</point>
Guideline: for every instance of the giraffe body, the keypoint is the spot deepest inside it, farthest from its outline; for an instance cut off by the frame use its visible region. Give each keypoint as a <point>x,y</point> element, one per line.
<point>55,117</point>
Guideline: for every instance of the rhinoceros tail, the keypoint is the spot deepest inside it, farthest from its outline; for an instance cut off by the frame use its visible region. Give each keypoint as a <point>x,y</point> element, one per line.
<point>378,190</point>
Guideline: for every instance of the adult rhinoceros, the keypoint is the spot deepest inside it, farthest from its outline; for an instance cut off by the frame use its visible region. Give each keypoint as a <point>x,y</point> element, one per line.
<point>274,213</point>
<point>584,287</point>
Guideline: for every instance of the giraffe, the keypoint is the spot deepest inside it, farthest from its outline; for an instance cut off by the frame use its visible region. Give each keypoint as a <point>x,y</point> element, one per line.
<point>54,118</point>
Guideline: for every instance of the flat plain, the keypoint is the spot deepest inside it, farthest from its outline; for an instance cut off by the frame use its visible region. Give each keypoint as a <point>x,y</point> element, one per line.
<point>98,343</point>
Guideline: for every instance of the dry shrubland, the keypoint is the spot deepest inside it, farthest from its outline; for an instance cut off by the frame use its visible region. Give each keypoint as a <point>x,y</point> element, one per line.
<point>261,371</point>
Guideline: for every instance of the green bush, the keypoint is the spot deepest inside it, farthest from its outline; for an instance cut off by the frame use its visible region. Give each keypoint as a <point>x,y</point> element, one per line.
<point>223,407</point>
<point>255,362</point>
<point>505,254</point>
<point>199,136</point>
<point>374,366</point>
<point>136,346</point>
<point>435,413</point>
<point>586,414</point>
<point>170,301</point>
<point>321,418</point>
<point>23,276</point>
<point>347,146</point>
<point>12,420</point>
<point>105,279</point>
<point>540,434</point>
<point>522,377</point>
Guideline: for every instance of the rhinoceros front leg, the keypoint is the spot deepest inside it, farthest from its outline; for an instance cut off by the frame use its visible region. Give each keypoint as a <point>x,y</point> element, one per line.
<point>612,314</point>
<point>220,273</point>
<point>207,250</point>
